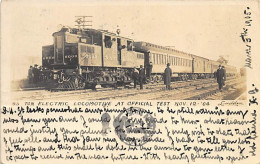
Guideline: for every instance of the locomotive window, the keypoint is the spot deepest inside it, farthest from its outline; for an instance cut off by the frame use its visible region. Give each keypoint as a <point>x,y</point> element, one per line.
<point>72,39</point>
<point>108,42</point>
<point>83,40</point>
<point>129,46</point>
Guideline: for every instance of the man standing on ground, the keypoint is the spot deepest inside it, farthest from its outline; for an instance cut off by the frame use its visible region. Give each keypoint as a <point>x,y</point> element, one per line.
<point>167,76</point>
<point>220,77</point>
<point>141,76</point>
<point>135,77</point>
<point>149,70</point>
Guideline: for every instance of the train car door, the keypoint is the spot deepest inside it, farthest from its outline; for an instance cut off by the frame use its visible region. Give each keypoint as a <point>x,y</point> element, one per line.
<point>119,47</point>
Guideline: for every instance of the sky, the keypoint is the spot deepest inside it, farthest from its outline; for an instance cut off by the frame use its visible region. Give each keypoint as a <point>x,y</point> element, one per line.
<point>207,29</point>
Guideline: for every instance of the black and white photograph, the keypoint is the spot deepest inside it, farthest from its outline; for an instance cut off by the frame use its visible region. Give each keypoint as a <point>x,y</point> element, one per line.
<point>116,51</point>
<point>109,82</point>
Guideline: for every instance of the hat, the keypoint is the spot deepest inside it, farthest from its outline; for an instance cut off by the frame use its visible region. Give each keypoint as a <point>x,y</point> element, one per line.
<point>35,65</point>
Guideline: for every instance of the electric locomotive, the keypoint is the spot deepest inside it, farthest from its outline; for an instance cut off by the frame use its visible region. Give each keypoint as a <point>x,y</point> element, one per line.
<point>81,58</point>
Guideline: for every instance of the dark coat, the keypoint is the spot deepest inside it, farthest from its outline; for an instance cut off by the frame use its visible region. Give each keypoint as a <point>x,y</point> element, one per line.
<point>135,75</point>
<point>167,76</point>
<point>224,74</point>
<point>141,73</point>
<point>220,76</point>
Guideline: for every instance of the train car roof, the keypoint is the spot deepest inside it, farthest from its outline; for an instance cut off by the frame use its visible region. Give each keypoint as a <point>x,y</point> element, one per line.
<point>195,56</point>
<point>154,47</point>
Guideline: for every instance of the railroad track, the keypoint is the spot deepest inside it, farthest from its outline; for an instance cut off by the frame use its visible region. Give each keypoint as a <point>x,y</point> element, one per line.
<point>181,90</point>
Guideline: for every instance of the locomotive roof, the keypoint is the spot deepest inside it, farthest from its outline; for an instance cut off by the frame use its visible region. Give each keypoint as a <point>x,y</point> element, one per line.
<point>75,31</point>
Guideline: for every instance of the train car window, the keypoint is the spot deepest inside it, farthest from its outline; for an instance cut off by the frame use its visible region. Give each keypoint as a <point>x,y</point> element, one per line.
<point>129,45</point>
<point>108,42</point>
<point>163,60</point>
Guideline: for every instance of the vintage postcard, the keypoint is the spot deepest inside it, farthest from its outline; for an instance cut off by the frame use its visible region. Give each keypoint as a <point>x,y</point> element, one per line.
<point>130,81</point>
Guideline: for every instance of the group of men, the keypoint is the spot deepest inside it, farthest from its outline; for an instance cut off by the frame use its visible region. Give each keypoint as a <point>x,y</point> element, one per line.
<point>220,74</point>
<point>139,76</point>
<point>34,74</point>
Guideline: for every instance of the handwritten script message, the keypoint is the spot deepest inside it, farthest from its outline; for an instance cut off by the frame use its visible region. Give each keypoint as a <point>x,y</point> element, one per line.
<point>128,131</point>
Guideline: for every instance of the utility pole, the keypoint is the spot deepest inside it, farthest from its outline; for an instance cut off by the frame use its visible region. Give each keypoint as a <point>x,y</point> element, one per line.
<point>83,21</point>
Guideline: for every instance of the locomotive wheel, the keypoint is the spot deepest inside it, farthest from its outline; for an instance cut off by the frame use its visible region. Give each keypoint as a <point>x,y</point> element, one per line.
<point>75,82</point>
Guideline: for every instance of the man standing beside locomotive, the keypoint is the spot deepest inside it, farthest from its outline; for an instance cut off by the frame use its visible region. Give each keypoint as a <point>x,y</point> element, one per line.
<point>135,76</point>
<point>220,77</point>
<point>141,76</point>
<point>149,70</point>
<point>167,76</point>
